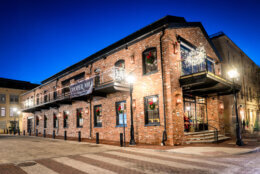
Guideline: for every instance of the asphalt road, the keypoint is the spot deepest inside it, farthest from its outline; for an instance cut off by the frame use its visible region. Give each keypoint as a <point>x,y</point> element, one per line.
<point>34,155</point>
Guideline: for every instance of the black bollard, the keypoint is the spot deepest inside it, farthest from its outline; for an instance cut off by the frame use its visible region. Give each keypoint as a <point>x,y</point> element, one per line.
<point>121,139</point>
<point>36,132</point>
<point>23,132</point>
<point>79,137</point>
<point>30,132</point>
<point>14,131</point>
<point>97,138</point>
<point>4,131</point>
<point>65,135</point>
<point>7,131</point>
<point>44,133</point>
<point>19,132</point>
<point>53,134</point>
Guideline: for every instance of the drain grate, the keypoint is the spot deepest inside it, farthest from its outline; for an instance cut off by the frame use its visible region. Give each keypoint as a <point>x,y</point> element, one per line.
<point>26,164</point>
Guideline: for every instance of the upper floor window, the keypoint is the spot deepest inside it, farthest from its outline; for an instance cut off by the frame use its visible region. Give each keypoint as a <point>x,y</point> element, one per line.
<point>120,70</point>
<point>150,61</point>
<point>79,117</point>
<point>210,65</point>
<point>98,116</point>
<point>2,98</point>
<point>54,93</point>
<point>121,113</point>
<point>2,111</point>
<point>45,96</point>
<point>38,99</point>
<point>14,98</point>
<point>97,76</point>
<point>152,110</point>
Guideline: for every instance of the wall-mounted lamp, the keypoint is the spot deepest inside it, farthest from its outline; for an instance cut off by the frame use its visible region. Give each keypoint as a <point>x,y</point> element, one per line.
<point>221,106</point>
<point>59,114</point>
<point>178,99</point>
<point>134,104</point>
<point>86,110</point>
<point>175,47</point>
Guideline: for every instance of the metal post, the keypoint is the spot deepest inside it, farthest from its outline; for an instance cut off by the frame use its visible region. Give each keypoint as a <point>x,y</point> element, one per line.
<point>36,132</point>
<point>53,134</point>
<point>18,131</point>
<point>132,140</point>
<point>23,132</point>
<point>44,133</point>
<point>30,132</point>
<point>79,136</point>
<point>121,139</point>
<point>6,131</point>
<point>97,138</point>
<point>239,141</point>
<point>65,135</point>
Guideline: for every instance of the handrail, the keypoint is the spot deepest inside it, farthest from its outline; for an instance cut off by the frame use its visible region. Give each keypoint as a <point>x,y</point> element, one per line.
<point>215,131</point>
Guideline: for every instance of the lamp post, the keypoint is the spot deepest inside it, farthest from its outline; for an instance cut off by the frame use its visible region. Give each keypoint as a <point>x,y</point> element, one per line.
<point>234,74</point>
<point>131,80</point>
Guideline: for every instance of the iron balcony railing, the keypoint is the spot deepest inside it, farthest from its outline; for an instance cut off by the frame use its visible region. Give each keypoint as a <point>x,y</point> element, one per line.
<point>112,75</point>
<point>206,65</point>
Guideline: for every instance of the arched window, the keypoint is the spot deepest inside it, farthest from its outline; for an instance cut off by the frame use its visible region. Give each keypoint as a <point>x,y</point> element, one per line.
<point>119,70</point>
<point>150,61</point>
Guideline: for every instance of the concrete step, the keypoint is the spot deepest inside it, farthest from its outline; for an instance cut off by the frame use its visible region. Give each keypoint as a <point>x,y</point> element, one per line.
<point>198,133</point>
<point>207,141</point>
<point>204,137</point>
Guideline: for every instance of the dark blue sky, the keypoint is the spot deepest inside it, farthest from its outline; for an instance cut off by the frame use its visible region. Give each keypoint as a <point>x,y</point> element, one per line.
<point>39,38</point>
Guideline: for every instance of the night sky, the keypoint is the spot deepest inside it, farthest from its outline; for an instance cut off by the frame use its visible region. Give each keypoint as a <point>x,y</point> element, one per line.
<point>39,38</point>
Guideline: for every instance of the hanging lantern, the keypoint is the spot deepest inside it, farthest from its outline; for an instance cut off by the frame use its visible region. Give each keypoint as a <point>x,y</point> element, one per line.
<point>86,110</point>
<point>221,106</point>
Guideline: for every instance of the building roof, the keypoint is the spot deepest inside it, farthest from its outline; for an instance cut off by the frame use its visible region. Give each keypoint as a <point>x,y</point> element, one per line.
<point>16,84</point>
<point>176,22</point>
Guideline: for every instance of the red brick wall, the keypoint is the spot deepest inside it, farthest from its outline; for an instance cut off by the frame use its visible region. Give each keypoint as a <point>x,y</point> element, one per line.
<point>145,85</point>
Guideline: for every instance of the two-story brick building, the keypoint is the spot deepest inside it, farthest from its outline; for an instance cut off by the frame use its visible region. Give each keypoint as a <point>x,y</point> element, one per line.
<point>93,95</point>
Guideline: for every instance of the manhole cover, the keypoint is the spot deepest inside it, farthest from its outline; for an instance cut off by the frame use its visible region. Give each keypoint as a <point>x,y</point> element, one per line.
<point>26,164</point>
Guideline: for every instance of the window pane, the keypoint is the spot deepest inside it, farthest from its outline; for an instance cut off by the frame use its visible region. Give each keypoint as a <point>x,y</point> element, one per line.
<point>150,60</point>
<point>121,113</point>
<point>98,116</point>
<point>2,111</point>
<point>79,118</point>
<point>152,110</point>
<point>2,98</point>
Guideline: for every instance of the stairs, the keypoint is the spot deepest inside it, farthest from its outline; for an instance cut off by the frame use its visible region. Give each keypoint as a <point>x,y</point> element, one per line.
<point>203,137</point>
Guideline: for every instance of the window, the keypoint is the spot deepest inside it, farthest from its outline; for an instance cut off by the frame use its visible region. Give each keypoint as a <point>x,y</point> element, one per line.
<point>13,113</point>
<point>210,65</point>
<point>3,111</point>
<point>38,99</point>
<point>37,120</point>
<point>14,99</point>
<point>55,121</point>
<point>65,118</point>
<point>151,105</point>
<point>45,121</point>
<point>97,76</point>
<point>120,70</point>
<point>45,97</point>
<point>79,118</point>
<point>98,116</point>
<point>121,113</point>
<point>250,94</point>
<point>2,98</point>
<point>150,61</point>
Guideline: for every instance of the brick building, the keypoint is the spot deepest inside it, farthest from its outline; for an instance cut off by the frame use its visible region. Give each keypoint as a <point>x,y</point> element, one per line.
<point>10,102</point>
<point>93,95</point>
<point>249,80</point>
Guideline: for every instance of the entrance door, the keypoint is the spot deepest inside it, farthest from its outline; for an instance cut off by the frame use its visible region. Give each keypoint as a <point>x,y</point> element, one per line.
<point>29,125</point>
<point>195,117</point>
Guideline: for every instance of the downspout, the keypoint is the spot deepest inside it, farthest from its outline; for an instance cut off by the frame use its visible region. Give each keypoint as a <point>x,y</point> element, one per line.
<point>90,109</point>
<point>164,136</point>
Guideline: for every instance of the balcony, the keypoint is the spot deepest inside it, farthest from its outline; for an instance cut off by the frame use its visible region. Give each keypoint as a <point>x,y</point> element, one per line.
<point>110,81</point>
<point>201,80</point>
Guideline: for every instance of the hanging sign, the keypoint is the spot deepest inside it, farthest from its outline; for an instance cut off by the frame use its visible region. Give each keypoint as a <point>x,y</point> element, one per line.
<point>81,88</point>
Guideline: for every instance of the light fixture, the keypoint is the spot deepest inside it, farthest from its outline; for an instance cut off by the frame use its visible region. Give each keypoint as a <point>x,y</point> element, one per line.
<point>18,112</point>
<point>130,79</point>
<point>221,106</point>
<point>87,110</point>
<point>67,112</point>
<point>233,73</point>
<point>188,108</point>
<point>14,109</point>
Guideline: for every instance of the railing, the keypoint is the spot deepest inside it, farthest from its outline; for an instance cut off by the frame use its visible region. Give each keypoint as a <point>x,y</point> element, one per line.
<point>109,76</point>
<point>206,65</point>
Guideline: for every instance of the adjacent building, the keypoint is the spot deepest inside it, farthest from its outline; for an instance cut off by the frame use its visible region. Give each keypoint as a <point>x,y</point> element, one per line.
<point>249,80</point>
<point>10,103</point>
<point>172,94</point>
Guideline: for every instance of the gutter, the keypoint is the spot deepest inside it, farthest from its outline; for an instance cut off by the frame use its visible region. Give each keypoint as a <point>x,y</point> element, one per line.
<point>164,136</point>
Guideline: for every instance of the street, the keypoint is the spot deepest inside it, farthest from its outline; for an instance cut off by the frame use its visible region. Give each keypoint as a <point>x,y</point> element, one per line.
<point>35,155</point>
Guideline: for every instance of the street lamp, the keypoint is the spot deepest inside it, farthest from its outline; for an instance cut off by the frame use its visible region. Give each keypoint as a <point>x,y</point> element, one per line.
<point>234,74</point>
<point>131,80</point>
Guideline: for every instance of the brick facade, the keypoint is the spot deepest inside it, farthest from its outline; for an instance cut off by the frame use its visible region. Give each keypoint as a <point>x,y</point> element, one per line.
<point>145,85</point>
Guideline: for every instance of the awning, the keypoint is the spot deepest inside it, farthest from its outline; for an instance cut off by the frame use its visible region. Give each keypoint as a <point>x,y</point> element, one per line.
<point>207,83</point>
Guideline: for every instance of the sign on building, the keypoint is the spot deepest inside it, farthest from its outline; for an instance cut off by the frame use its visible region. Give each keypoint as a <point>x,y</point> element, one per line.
<point>81,88</point>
